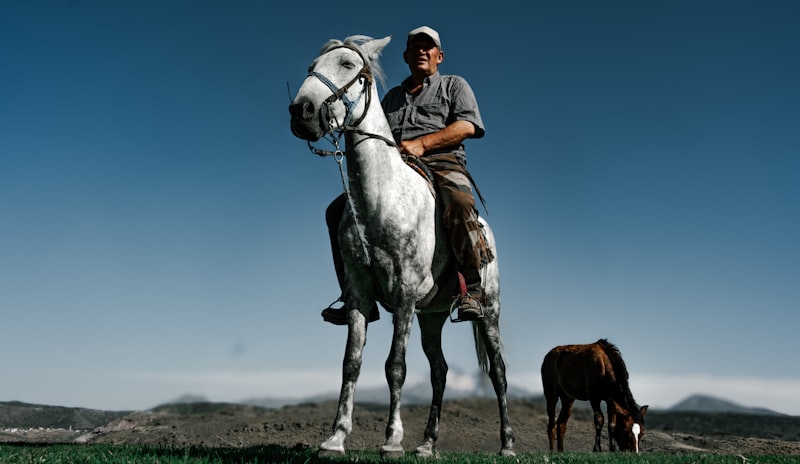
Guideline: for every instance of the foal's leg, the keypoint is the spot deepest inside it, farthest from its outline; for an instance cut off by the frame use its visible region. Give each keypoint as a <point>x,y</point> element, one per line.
<point>489,330</point>
<point>396,377</point>
<point>563,417</point>
<point>561,421</point>
<point>552,400</point>
<point>612,425</point>
<point>431,329</point>
<point>351,367</point>
<point>598,424</point>
<point>550,390</point>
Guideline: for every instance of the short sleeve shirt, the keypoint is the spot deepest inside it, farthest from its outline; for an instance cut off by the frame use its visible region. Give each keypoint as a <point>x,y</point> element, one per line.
<point>443,100</point>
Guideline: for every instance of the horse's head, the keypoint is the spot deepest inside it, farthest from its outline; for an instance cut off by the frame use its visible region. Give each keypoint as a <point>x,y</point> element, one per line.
<point>337,90</point>
<point>629,429</point>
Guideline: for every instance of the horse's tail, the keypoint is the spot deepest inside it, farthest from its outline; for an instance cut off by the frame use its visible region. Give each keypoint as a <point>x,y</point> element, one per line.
<point>621,373</point>
<point>480,348</point>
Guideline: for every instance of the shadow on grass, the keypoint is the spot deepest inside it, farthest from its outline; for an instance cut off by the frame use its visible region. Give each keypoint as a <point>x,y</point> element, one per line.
<point>95,453</point>
<point>258,454</point>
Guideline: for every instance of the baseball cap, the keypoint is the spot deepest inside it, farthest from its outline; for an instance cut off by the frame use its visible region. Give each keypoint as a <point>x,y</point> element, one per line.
<point>427,31</point>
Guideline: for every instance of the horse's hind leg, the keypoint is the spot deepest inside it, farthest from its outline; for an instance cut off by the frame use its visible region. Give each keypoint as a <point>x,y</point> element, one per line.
<point>612,424</point>
<point>563,417</point>
<point>598,424</point>
<point>551,398</point>
<point>550,390</point>
<point>431,331</point>
<point>489,331</point>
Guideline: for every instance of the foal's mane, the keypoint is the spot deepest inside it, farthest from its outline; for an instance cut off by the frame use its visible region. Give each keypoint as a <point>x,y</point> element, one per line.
<point>621,373</point>
<point>358,41</point>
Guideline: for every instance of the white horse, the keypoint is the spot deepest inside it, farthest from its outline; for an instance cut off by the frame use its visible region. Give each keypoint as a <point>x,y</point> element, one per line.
<point>392,242</point>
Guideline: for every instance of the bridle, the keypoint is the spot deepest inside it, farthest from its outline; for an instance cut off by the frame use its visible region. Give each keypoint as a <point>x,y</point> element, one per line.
<point>340,94</point>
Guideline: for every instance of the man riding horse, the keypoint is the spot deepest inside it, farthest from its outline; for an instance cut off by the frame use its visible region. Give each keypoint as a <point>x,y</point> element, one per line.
<point>430,115</point>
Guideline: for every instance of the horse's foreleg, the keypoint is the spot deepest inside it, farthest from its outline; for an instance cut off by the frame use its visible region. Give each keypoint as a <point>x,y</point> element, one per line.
<point>351,368</point>
<point>598,424</point>
<point>431,330</point>
<point>396,377</point>
<point>489,331</point>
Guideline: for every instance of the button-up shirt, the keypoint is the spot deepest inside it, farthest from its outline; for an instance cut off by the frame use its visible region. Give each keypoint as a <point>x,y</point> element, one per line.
<point>443,100</point>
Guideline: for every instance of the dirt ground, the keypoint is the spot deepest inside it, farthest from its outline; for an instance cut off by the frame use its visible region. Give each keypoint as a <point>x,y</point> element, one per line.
<point>470,425</point>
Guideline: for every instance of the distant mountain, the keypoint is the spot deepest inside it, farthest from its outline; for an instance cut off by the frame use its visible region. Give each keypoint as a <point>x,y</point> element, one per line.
<point>459,385</point>
<point>189,398</point>
<point>25,415</point>
<point>705,403</point>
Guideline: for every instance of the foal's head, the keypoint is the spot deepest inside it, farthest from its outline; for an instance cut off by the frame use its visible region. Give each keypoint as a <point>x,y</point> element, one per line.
<point>629,429</point>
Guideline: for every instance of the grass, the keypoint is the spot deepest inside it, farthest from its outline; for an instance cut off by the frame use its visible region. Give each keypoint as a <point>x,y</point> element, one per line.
<point>111,454</point>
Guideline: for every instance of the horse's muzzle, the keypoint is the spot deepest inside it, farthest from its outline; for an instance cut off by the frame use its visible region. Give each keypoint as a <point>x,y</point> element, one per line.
<point>303,121</point>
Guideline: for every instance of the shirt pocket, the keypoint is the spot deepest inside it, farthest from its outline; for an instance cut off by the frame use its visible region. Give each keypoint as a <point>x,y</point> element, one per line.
<point>434,113</point>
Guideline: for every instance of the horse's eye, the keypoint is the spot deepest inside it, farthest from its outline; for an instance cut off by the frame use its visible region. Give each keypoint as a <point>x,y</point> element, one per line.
<point>348,64</point>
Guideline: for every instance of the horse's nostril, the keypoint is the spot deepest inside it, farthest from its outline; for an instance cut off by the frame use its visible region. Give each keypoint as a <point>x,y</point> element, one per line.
<point>308,110</point>
<point>303,110</point>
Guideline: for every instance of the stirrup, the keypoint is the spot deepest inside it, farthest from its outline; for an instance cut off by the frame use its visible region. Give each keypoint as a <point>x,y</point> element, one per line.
<point>335,316</point>
<point>455,306</point>
<point>338,316</point>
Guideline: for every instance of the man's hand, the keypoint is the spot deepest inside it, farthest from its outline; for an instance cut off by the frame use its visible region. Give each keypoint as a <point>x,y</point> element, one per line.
<point>450,136</point>
<point>412,147</point>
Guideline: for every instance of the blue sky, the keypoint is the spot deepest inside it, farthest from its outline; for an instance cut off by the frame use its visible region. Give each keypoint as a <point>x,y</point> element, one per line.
<point>162,232</point>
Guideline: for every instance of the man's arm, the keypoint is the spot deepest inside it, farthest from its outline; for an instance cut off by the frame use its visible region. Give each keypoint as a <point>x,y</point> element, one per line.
<point>450,136</point>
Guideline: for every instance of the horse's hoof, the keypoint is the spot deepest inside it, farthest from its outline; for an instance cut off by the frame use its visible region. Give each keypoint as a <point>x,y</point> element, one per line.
<point>425,451</point>
<point>392,451</point>
<point>507,452</point>
<point>329,449</point>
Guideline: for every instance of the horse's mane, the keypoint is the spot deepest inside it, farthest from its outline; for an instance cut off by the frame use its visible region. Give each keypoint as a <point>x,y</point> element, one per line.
<point>621,373</point>
<point>357,41</point>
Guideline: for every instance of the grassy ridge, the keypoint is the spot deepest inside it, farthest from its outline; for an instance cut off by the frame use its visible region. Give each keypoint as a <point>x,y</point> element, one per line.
<point>91,454</point>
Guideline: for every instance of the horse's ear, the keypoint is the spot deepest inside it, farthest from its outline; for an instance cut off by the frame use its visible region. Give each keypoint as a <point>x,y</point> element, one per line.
<point>374,47</point>
<point>643,410</point>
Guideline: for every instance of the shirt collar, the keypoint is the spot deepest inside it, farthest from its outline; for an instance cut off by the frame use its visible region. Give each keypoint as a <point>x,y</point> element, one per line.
<point>408,83</point>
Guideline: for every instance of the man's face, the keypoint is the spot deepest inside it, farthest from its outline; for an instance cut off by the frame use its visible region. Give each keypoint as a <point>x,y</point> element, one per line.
<point>422,55</point>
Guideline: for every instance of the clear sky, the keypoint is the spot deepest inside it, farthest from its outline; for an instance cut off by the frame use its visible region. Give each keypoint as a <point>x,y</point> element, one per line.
<point>162,232</point>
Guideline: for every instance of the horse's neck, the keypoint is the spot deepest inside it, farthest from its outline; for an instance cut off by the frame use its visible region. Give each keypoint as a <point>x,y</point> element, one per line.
<point>372,163</point>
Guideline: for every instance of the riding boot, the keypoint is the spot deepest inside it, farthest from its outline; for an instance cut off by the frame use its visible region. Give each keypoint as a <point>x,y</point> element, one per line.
<point>333,216</point>
<point>470,297</point>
